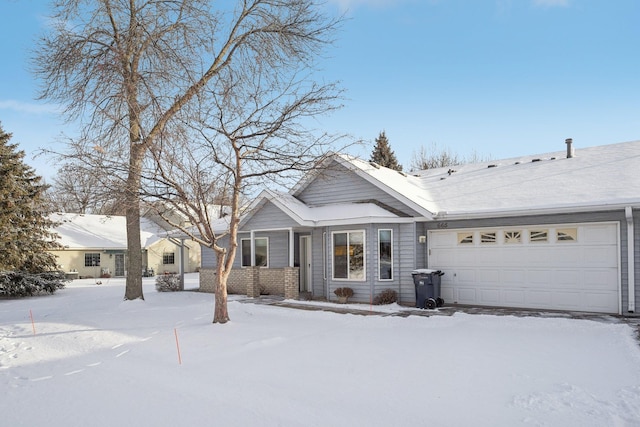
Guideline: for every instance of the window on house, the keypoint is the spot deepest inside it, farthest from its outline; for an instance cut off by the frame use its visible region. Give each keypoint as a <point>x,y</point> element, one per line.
<point>465,238</point>
<point>348,255</point>
<point>488,237</point>
<point>567,234</point>
<point>513,236</point>
<point>168,258</point>
<point>92,260</point>
<point>385,254</point>
<point>538,235</point>
<point>262,252</point>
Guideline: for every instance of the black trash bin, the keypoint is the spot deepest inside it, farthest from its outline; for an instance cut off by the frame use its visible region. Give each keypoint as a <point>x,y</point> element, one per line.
<point>427,284</point>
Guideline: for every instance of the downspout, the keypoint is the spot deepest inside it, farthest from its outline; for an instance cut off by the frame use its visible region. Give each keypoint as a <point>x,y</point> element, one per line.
<point>628,213</point>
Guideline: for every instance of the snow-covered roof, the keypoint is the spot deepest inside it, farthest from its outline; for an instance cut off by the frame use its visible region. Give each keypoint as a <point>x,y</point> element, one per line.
<point>80,231</point>
<point>596,178</point>
<point>334,214</point>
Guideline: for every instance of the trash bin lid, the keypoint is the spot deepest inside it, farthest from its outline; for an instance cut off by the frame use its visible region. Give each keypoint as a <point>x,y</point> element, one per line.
<point>423,271</point>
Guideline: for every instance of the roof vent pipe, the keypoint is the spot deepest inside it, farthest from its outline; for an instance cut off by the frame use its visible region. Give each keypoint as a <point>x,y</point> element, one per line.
<point>570,151</point>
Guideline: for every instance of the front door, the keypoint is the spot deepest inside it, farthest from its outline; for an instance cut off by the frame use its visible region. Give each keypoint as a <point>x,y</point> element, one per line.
<point>305,263</point>
<point>119,265</point>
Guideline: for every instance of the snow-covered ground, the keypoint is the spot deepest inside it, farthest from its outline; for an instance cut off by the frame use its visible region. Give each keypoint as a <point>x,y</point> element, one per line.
<point>96,360</point>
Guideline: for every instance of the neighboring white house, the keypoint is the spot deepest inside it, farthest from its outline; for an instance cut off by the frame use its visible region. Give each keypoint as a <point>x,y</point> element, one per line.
<point>556,231</point>
<point>96,245</point>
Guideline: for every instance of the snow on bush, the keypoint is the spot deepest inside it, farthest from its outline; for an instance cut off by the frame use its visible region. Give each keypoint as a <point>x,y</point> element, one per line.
<point>168,283</point>
<point>22,284</point>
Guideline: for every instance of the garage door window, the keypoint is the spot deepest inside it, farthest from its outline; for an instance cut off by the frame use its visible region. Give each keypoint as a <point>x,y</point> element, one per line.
<point>567,234</point>
<point>512,237</point>
<point>538,236</point>
<point>488,238</point>
<point>465,238</point>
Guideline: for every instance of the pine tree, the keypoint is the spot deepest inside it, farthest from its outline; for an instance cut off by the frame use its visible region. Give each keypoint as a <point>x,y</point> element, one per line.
<point>25,234</point>
<point>383,155</point>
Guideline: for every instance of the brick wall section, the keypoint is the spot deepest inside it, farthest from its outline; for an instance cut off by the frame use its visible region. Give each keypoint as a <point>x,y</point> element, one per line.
<point>237,282</point>
<point>251,280</point>
<point>291,288</point>
<point>272,281</point>
<point>207,280</point>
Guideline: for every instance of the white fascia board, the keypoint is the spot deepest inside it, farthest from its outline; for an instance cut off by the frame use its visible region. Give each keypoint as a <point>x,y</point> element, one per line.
<point>365,220</point>
<point>567,209</point>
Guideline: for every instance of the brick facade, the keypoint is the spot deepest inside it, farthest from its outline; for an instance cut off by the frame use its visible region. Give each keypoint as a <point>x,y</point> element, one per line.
<point>254,281</point>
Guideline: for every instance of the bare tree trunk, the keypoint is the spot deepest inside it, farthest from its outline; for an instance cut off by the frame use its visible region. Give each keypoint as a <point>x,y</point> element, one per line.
<point>220,312</point>
<point>132,198</point>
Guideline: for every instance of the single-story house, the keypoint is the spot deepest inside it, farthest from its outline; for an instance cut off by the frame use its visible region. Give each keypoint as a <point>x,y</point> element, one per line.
<point>96,246</point>
<point>556,231</point>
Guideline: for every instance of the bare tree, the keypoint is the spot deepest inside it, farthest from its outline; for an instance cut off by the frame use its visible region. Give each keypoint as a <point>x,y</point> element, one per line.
<point>436,157</point>
<point>125,69</point>
<point>251,132</point>
<point>80,189</point>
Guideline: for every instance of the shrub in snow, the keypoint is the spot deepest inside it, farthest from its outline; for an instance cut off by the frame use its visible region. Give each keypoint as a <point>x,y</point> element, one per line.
<point>22,283</point>
<point>388,296</point>
<point>344,292</point>
<point>168,283</point>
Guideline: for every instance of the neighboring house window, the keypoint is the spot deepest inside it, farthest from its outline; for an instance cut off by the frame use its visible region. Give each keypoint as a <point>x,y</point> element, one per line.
<point>385,254</point>
<point>168,258</point>
<point>92,260</point>
<point>465,238</point>
<point>488,237</point>
<point>538,235</point>
<point>513,236</point>
<point>262,252</point>
<point>567,234</point>
<point>348,255</point>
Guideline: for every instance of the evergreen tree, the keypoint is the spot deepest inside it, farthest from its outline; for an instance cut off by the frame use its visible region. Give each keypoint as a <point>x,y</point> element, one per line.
<point>383,155</point>
<point>25,234</point>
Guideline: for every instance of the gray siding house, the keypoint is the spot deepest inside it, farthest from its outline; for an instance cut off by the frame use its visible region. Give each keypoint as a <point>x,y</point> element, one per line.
<point>556,231</point>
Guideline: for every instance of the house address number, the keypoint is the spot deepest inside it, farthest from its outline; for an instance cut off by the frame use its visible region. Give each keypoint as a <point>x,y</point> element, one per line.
<point>443,225</point>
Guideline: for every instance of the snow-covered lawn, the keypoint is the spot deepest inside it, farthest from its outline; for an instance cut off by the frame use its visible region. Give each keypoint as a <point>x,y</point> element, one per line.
<point>95,360</point>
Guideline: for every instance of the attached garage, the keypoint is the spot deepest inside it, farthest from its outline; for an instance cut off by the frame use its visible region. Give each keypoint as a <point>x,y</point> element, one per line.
<point>560,267</point>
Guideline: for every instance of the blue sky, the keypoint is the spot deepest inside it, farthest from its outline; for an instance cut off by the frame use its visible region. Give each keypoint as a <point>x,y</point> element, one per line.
<point>501,78</point>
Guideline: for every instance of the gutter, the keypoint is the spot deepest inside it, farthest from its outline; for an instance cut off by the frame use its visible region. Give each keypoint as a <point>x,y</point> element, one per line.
<point>628,213</point>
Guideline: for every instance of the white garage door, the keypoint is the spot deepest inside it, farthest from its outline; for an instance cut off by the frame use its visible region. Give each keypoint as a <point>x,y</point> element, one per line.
<point>564,267</point>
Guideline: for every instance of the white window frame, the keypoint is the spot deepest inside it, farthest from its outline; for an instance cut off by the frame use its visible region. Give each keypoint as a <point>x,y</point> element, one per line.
<point>94,258</point>
<point>252,256</point>
<point>168,256</point>
<point>380,230</point>
<point>364,256</point>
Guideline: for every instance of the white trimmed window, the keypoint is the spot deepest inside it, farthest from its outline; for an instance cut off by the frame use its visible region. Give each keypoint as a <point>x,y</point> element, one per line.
<point>92,259</point>
<point>385,254</point>
<point>168,258</point>
<point>348,255</point>
<point>262,252</point>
